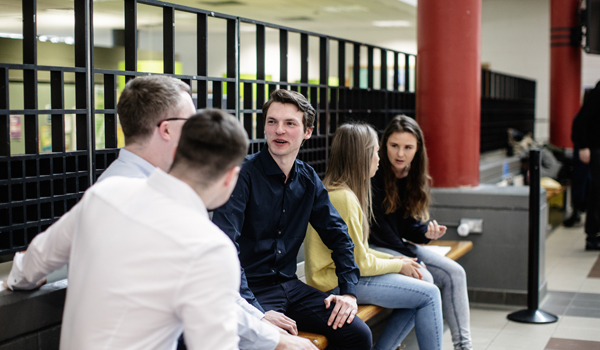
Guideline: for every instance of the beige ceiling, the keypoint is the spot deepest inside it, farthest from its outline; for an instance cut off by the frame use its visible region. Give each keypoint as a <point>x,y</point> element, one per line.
<point>348,19</point>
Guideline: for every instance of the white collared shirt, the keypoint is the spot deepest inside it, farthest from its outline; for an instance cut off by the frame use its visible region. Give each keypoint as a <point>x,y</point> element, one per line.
<point>145,264</point>
<point>128,164</point>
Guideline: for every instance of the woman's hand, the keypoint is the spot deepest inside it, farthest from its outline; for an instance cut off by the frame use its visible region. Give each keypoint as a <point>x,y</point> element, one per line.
<point>410,267</point>
<point>435,231</point>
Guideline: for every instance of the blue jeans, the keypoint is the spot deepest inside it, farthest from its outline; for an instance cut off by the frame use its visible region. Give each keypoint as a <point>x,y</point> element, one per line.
<point>451,277</point>
<point>415,303</point>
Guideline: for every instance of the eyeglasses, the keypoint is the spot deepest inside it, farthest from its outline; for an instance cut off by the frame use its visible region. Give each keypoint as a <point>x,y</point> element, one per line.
<point>169,119</point>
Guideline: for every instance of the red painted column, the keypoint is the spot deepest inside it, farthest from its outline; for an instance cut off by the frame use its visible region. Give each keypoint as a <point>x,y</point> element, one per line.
<point>565,72</point>
<point>449,88</point>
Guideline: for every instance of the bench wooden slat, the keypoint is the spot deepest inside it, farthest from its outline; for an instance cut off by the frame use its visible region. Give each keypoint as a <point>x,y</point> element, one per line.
<point>458,248</point>
<point>319,340</point>
<point>366,312</point>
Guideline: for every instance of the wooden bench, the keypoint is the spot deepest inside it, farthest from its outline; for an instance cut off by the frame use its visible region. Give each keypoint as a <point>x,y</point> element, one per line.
<point>366,312</point>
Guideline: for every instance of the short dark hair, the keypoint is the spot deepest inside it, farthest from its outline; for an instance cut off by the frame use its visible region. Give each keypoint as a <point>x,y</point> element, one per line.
<point>145,101</point>
<point>295,98</point>
<point>211,142</point>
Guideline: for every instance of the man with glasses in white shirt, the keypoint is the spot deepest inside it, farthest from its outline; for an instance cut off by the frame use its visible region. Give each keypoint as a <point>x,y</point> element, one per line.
<point>152,111</point>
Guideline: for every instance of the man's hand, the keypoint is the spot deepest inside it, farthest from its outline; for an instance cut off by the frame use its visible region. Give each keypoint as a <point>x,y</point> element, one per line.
<point>584,155</point>
<point>282,321</point>
<point>292,342</point>
<point>38,285</point>
<point>344,311</point>
<point>435,231</point>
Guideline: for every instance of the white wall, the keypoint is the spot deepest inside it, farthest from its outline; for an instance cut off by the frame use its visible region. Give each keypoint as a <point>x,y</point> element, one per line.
<point>590,70</point>
<point>515,39</point>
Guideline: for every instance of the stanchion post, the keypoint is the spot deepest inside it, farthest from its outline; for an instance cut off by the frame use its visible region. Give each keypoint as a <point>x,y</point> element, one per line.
<point>532,314</point>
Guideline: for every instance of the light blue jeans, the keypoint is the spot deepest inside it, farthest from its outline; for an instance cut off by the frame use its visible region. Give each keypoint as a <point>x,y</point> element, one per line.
<point>451,277</point>
<point>415,303</point>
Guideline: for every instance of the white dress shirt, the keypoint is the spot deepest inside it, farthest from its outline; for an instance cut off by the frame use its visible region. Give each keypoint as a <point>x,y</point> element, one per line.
<point>254,334</point>
<point>128,164</point>
<point>145,264</point>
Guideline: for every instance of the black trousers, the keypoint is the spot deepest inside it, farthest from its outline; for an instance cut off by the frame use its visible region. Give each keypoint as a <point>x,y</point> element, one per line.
<point>305,305</point>
<point>592,218</point>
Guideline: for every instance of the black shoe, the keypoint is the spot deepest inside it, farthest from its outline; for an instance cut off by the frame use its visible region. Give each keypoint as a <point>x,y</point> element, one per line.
<point>575,218</point>
<point>595,245</point>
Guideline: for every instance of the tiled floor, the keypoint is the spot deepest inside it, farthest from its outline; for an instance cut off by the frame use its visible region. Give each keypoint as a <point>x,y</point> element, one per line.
<point>574,295</point>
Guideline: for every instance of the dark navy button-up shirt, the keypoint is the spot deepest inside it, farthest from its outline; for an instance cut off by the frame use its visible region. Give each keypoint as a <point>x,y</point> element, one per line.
<point>267,219</point>
<point>391,230</point>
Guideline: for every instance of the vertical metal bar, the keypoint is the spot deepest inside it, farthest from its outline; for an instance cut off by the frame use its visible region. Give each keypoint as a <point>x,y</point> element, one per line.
<point>232,65</point>
<point>30,76</point>
<point>4,118</point>
<point>237,68</point>
<point>168,40</point>
<point>283,57</point>
<point>110,119</point>
<point>29,32</point>
<point>406,73</point>
<point>202,44</point>
<point>202,94</point>
<point>356,77</point>
<point>260,75</point>
<point>131,36</point>
<point>260,118</point>
<point>383,70</point>
<point>370,68</point>
<point>202,59</point>
<point>324,93</point>
<point>30,102</point>
<point>260,54</point>
<point>57,83</point>
<point>247,108</point>
<point>415,73</point>
<point>333,120</point>
<point>341,63</point>
<point>396,72</point>
<point>534,230</point>
<point>304,63</point>
<point>217,95</point>
<point>89,48</point>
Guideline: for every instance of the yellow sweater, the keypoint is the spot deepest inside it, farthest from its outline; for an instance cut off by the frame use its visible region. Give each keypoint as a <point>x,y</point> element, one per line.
<point>320,268</point>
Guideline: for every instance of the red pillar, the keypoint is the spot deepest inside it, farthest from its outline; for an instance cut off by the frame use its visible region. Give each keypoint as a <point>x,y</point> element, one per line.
<point>449,88</point>
<point>565,71</point>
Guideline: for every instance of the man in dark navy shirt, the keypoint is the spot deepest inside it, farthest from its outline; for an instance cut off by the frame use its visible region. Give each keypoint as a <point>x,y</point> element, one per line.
<point>267,216</point>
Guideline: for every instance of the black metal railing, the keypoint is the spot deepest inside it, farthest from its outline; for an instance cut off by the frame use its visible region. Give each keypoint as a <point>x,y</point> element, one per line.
<point>506,102</point>
<point>48,176</point>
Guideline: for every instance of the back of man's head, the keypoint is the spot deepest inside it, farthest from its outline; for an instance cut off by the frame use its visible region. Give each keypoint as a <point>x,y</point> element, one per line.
<point>212,142</point>
<point>147,100</point>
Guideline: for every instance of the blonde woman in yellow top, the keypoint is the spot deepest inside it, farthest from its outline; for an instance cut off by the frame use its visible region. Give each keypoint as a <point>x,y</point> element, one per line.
<point>386,280</point>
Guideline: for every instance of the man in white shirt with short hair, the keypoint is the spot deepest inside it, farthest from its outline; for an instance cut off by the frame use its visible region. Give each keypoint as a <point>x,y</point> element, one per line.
<point>152,111</point>
<point>145,261</point>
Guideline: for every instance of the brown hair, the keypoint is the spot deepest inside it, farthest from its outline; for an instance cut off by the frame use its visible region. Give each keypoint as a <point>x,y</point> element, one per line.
<point>147,100</point>
<point>349,165</point>
<point>295,98</point>
<point>211,143</point>
<point>418,182</point>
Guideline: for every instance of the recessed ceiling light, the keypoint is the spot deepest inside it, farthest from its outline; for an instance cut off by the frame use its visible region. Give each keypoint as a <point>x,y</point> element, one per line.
<point>11,35</point>
<point>351,8</point>
<point>297,18</point>
<point>412,3</point>
<point>392,24</point>
<point>222,3</point>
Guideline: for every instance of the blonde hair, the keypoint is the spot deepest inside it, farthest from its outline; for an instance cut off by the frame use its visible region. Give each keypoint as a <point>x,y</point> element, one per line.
<point>350,159</point>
